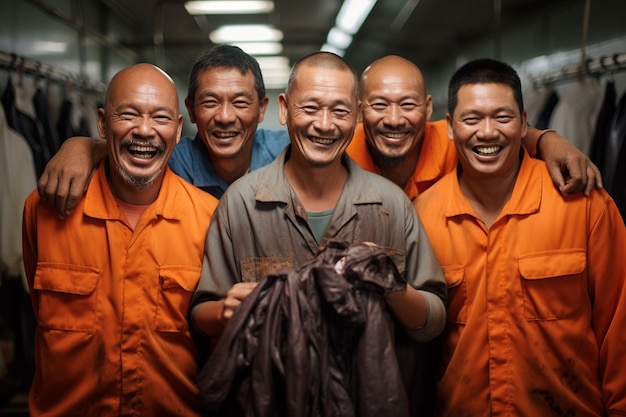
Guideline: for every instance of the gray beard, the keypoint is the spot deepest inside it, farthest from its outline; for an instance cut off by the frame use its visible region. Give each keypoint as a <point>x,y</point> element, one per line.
<point>138,183</point>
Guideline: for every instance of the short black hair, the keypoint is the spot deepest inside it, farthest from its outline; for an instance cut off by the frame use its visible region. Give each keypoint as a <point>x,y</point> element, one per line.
<point>484,71</point>
<point>225,56</point>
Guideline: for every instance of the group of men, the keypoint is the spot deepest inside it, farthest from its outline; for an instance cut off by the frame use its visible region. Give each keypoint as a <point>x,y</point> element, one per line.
<point>531,253</point>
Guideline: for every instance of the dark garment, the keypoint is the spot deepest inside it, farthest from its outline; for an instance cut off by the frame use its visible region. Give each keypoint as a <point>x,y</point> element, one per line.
<point>26,126</point>
<point>543,119</point>
<point>65,127</point>
<point>603,126</point>
<point>614,174</point>
<point>312,341</point>
<point>50,134</point>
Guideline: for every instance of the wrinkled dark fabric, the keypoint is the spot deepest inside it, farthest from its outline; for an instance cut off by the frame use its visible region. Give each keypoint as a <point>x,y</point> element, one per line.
<point>312,341</point>
<point>603,125</point>
<point>543,119</point>
<point>614,175</point>
<point>30,129</point>
<point>50,135</point>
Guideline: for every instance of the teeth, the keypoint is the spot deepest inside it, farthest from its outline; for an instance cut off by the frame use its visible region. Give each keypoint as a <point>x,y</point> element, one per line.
<point>487,150</point>
<point>392,135</point>
<point>322,141</point>
<point>225,135</point>
<point>143,152</point>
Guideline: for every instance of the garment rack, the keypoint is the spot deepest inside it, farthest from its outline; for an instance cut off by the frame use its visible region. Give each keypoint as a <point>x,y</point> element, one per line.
<point>593,67</point>
<point>24,65</point>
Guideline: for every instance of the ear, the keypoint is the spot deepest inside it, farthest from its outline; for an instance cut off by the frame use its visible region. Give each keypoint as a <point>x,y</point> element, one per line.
<point>263,108</point>
<point>282,108</point>
<point>429,107</point>
<point>101,123</point>
<point>449,123</point>
<point>190,110</point>
<point>179,130</point>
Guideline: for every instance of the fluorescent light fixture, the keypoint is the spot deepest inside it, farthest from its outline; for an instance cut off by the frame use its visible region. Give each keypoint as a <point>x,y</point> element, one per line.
<point>273,62</point>
<point>339,38</point>
<point>229,7</point>
<point>330,48</point>
<point>245,33</point>
<point>260,48</point>
<point>352,14</point>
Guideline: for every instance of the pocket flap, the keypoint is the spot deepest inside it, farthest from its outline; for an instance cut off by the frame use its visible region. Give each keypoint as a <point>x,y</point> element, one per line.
<point>66,278</point>
<point>552,264</point>
<point>185,277</point>
<point>454,274</point>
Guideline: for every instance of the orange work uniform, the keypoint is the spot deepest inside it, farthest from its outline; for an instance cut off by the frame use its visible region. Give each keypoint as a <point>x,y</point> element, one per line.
<point>111,303</point>
<point>437,157</point>
<point>536,303</point>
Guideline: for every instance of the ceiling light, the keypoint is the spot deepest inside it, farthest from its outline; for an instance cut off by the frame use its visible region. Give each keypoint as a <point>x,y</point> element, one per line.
<point>244,33</point>
<point>353,13</point>
<point>330,48</point>
<point>229,7</point>
<point>260,48</point>
<point>339,38</point>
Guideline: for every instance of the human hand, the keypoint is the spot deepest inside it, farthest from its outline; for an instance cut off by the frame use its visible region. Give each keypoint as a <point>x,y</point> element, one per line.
<point>571,170</point>
<point>67,175</point>
<point>235,297</point>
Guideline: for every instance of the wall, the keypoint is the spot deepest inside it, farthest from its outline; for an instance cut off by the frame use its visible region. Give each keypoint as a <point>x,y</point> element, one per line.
<point>547,42</point>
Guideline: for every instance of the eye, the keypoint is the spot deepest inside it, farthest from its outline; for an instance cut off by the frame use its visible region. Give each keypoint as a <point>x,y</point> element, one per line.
<point>470,120</point>
<point>127,115</point>
<point>378,106</point>
<point>241,103</point>
<point>408,106</point>
<point>504,118</point>
<point>209,103</point>
<point>341,113</point>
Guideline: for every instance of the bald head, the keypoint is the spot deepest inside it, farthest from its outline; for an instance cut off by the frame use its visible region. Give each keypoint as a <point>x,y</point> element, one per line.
<point>322,60</point>
<point>141,74</point>
<point>392,67</point>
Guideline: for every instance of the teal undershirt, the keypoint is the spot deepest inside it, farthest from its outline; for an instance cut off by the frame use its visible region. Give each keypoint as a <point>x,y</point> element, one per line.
<point>319,222</point>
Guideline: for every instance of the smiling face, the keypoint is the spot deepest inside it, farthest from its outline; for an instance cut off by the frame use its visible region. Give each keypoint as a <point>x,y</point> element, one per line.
<point>487,128</point>
<point>227,109</point>
<point>141,124</point>
<point>395,109</point>
<point>320,112</point>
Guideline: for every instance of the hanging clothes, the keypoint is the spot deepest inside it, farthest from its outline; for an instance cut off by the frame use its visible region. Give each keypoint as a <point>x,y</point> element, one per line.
<point>576,114</point>
<point>614,174</point>
<point>27,126</point>
<point>71,121</point>
<point>603,125</point>
<point>18,180</point>
<point>539,105</point>
<point>50,134</point>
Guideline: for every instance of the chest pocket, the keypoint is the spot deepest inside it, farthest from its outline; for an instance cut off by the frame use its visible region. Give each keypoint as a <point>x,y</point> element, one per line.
<point>67,296</point>
<point>255,269</point>
<point>457,293</point>
<point>176,285</point>
<point>552,283</point>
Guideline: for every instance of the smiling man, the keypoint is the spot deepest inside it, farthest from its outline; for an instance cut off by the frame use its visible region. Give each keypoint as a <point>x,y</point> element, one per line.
<point>287,212</point>
<point>537,281</point>
<point>110,285</point>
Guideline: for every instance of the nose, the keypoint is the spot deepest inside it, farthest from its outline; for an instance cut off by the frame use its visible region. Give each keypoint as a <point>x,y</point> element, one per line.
<point>145,127</point>
<point>488,129</point>
<point>225,114</point>
<point>324,121</point>
<point>393,115</point>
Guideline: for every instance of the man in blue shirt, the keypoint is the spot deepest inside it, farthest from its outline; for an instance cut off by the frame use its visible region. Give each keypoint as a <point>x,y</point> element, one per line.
<point>226,100</point>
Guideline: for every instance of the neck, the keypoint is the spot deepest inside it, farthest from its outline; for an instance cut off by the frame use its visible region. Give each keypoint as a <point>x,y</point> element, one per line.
<point>400,171</point>
<point>318,188</point>
<point>489,194</point>
<point>233,168</point>
<point>141,196</point>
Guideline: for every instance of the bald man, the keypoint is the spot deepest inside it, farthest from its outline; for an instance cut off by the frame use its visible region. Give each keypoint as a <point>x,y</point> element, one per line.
<point>397,140</point>
<point>111,283</point>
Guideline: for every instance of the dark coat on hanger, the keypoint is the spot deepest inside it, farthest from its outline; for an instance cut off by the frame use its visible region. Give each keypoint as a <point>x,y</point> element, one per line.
<point>614,175</point>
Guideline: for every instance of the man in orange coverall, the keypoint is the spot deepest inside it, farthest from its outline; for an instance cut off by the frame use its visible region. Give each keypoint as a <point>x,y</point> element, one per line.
<point>537,281</point>
<point>397,140</point>
<point>110,285</point>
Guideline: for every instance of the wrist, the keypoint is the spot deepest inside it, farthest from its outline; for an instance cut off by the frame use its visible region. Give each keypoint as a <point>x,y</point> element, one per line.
<point>538,153</point>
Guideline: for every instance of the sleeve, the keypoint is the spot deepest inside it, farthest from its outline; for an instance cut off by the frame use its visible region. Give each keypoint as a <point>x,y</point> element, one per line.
<point>29,243</point>
<point>180,162</point>
<point>606,263</point>
<point>424,274</point>
<point>219,266</point>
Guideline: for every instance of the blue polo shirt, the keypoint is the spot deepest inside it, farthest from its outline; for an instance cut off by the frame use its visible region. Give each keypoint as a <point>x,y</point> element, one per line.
<point>190,159</point>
